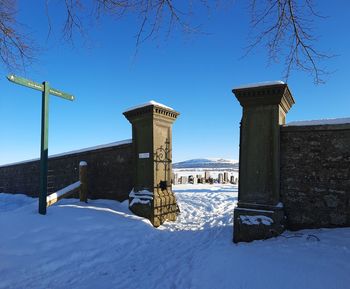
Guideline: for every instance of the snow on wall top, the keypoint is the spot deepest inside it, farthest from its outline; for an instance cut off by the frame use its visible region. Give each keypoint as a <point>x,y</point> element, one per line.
<point>320,122</point>
<point>117,143</point>
<point>151,102</point>
<point>257,84</point>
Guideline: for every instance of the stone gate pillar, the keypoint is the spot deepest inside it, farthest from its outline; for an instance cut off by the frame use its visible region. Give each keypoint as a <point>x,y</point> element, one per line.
<point>259,213</point>
<point>152,196</point>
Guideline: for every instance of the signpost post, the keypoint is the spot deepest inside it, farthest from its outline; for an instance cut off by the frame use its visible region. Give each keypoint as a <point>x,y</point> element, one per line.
<point>46,91</point>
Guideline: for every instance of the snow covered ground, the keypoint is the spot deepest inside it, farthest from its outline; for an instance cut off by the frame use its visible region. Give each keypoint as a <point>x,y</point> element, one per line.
<point>103,245</point>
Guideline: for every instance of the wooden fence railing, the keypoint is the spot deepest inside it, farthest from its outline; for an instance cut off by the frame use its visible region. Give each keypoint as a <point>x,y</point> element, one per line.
<point>80,186</point>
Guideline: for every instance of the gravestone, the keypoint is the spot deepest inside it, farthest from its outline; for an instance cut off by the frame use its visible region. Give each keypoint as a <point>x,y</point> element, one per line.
<point>175,179</point>
<point>225,177</point>
<point>183,180</point>
<point>206,176</point>
<point>220,178</point>
<point>152,196</point>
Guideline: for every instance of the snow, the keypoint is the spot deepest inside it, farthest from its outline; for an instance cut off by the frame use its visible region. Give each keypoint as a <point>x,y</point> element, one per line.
<point>223,160</point>
<point>256,220</point>
<point>139,201</point>
<point>151,102</point>
<point>118,143</point>
<point>280,205</point>
<point>320,122</point>
<point>113,144</point>
<point>101,244</point>
<point>63,191</point>
<point>141,197</point>
<point>258,84</point>
<point>144,194</point>
<point>255,210</point>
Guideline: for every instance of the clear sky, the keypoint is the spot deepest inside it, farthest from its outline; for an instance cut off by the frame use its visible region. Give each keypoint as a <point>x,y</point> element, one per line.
<point>193,74</point>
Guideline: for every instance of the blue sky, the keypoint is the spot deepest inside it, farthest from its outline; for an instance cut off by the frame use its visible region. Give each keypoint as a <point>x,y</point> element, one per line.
<point>193,74</point>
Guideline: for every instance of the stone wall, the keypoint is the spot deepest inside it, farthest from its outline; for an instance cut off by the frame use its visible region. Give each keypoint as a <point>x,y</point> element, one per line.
<point>110,172</point>
<point>315,175</point>
<point>291,177</point>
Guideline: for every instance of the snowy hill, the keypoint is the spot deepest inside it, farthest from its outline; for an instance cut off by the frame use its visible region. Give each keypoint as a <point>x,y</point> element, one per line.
<point>207,163</point>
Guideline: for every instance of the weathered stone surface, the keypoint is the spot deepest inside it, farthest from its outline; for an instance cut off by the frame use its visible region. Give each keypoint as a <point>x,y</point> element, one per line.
<point>152,150</point>
<point>110,173</point>
<point>142,210</point>
<point>264,110</point>
<point>315,175</point>
<point>164,207</point>
<point>253,225</point>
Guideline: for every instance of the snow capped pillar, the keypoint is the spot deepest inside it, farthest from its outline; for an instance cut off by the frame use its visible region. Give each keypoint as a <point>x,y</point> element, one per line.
<point>152,196</point>
<point>259,214</point>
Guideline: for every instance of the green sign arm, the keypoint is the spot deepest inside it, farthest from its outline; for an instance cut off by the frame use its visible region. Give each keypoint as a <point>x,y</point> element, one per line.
<point>61,94</point>
<point>25,82</point>
<point>38,86</point>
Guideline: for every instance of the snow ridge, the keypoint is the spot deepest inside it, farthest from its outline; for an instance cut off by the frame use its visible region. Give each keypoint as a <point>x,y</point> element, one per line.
<point>151,102</point>
<point>117,143</point>
<point>258,84</point>
<point>326,121</point>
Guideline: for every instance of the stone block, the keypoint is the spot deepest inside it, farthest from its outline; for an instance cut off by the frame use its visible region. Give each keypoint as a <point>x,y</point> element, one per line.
<point>253,224</point>
<point>315,184</point>
<point>264,110</point>
<point>152,150</point>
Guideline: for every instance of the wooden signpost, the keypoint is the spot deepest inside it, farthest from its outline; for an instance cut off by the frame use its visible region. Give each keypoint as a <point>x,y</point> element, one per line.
<point>46,91</point>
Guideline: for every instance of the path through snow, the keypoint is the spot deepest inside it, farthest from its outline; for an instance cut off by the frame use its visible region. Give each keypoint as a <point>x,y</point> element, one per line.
<point>103,245</point>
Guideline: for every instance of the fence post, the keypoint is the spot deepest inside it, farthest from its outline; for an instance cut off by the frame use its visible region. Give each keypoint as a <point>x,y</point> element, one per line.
<point>83,180</point>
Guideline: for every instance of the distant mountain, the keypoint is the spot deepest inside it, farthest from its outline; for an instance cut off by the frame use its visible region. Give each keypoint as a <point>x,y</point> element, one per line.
<point>207,164</point>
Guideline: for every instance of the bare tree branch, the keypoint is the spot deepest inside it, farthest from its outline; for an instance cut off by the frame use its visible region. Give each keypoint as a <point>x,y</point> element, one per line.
<point>16,49</point>
<point>73,21</point>
<point>48,19</point>
<point>286,28</point>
